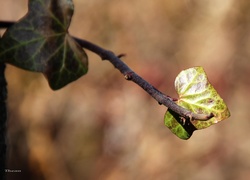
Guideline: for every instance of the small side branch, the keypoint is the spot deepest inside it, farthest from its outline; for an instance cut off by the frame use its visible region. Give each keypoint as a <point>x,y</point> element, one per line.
<point>132,76</point>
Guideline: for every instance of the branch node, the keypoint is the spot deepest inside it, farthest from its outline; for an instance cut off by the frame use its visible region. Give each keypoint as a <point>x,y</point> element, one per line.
<point>121,55</point>
<point>128,76</point>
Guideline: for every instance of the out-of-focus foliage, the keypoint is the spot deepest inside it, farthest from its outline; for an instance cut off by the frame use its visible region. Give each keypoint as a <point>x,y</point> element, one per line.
<point>103,127</point>
<point>40,42</point>
<point>199,96</point>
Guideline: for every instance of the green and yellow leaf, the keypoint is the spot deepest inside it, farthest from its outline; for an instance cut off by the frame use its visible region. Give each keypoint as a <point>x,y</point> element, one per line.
<point>199,96</point>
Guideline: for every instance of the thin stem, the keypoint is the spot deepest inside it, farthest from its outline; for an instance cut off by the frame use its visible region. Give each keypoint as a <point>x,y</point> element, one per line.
<point>132,76</point>
<point>6,24</point>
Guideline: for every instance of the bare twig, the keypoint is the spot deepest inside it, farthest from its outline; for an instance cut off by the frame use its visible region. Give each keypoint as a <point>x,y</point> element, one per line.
<point>132,76</point>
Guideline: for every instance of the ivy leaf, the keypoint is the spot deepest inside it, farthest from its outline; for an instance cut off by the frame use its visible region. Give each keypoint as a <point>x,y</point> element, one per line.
<point>199,96</point>
<point>40,42</point>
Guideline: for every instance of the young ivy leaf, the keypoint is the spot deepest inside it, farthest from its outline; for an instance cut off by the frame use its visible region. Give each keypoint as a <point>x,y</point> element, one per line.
<point>40,42</point>
<point>199,96</point>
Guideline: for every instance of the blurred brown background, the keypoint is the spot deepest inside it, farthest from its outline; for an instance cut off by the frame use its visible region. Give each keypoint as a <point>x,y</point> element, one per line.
<point>103,127</point>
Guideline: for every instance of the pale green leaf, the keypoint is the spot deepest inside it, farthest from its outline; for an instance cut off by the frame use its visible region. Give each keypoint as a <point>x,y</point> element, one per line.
<point>199,96</point>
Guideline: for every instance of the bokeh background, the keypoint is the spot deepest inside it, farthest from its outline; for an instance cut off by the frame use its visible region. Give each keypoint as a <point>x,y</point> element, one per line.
<point>103,127</point>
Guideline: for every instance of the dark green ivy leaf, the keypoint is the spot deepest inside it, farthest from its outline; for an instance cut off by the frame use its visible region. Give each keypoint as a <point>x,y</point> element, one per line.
<point>40,42</point>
